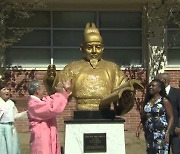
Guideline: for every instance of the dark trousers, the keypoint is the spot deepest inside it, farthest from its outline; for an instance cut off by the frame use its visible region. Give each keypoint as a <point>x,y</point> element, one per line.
<point>175,144</point>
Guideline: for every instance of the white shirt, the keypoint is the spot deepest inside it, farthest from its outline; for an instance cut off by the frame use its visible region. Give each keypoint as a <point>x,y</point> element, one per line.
<point>9,112</point>
<point>168,89</point>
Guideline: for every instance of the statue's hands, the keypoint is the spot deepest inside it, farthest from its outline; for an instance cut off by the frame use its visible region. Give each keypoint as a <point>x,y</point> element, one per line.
<point>126,97</point>
<point>125,103</point>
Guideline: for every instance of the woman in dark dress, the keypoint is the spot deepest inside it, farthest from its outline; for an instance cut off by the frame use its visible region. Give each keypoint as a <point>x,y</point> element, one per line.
<point>157,118</point>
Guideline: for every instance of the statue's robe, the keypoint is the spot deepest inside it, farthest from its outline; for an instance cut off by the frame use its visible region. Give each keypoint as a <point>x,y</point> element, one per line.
<point>90,85</point>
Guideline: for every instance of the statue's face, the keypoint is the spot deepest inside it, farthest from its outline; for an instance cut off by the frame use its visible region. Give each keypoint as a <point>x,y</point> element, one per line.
<point>93,50</point>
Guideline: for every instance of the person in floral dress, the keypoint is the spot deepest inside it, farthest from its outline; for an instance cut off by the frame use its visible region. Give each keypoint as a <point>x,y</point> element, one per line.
<point>157,118</point>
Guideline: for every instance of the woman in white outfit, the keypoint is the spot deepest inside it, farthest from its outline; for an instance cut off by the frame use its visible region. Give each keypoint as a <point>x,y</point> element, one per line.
<point>8,113</point>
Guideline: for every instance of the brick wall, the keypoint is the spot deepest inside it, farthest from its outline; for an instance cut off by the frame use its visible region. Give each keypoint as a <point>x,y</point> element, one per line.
<point>131,119</point>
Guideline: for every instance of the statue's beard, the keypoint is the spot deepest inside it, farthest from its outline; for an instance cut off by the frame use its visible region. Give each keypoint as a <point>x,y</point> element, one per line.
<point>93,63</point>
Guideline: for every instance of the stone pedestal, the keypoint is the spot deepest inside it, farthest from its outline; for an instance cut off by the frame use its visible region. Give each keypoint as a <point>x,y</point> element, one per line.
<point>94,136</point>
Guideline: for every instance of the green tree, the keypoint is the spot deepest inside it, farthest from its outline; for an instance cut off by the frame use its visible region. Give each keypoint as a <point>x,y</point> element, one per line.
<point>11,12</point>
<point>157,15</point>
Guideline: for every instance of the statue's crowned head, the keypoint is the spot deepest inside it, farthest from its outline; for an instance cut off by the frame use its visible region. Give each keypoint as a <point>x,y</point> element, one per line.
<point>92,46</point>
<point>91,34</point>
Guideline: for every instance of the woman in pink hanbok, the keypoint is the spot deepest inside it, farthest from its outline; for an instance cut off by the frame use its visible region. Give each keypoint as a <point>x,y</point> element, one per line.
<point>42,112</point>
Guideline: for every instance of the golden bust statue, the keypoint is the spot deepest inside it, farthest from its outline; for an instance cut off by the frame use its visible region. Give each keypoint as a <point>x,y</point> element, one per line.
<point>94,80</point>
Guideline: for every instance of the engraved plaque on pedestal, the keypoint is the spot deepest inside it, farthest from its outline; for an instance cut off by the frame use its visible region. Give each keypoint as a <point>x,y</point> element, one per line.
<point>94,142</point>
<point>94,136</point>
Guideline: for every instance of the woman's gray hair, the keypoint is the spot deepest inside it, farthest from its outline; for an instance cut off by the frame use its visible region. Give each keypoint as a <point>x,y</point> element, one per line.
<point>33,86</point>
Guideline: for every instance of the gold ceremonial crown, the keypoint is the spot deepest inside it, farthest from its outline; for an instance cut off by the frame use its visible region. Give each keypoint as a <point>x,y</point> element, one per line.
<point>91,33</point>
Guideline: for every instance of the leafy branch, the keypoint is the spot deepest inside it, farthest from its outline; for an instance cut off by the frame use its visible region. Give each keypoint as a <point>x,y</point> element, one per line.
<point>157,15</point>
<point>138,73</point>
<point>17,79</point>
<point>12,12</point>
